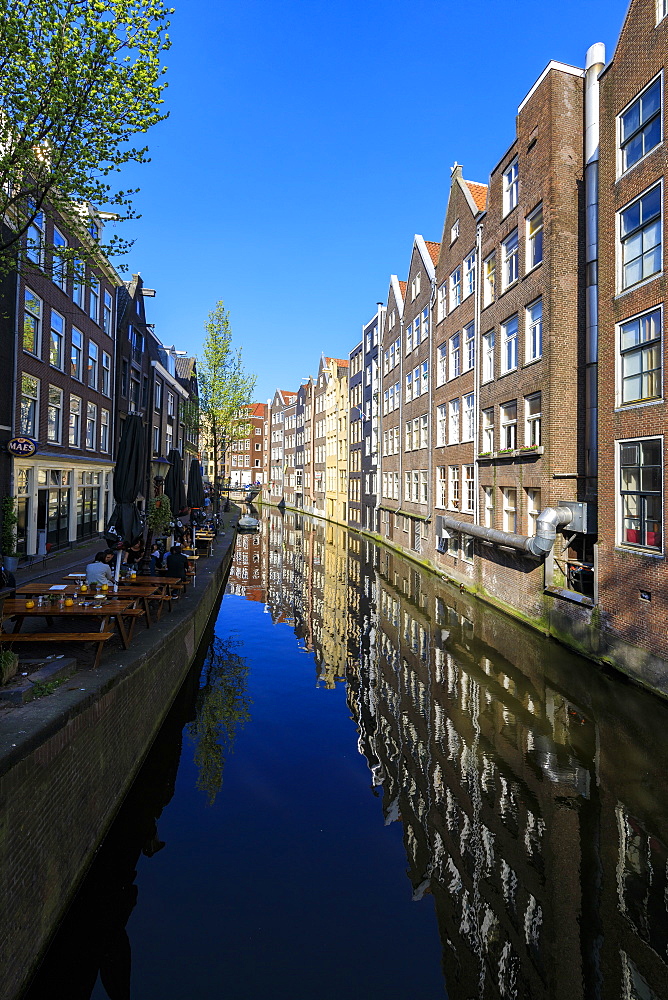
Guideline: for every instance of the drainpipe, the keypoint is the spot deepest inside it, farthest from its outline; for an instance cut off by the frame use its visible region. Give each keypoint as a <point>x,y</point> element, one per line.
<point>537,545</point>
<point>593,65</point>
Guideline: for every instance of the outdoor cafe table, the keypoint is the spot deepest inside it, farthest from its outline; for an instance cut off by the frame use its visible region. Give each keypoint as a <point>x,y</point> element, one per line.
<point>67,589</point>
<point>100,610</point>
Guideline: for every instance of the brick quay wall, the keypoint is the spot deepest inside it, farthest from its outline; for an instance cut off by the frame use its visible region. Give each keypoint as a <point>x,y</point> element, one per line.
<point>67,761</point>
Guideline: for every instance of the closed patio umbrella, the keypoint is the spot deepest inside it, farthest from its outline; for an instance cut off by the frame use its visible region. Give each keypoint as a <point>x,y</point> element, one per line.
<point>174,487</point>
<point>195,485</point>
<point>126,523</point>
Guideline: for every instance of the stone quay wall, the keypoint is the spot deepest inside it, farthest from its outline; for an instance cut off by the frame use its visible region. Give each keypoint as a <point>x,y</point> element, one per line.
<point>67,761</point>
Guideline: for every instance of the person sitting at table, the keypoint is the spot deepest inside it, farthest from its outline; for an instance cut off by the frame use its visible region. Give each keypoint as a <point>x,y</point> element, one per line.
<point>177,564</point>
<point>133,552</point>
<point>99,571</point>
<point>156,558</point>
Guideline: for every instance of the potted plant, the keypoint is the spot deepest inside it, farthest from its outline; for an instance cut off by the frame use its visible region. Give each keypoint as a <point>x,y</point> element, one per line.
<point>10,519</point>
<point>9,665</point>
<point>159,514</point>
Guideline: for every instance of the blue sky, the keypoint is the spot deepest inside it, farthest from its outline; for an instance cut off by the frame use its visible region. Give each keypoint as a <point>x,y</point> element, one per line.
<point>308,141</point>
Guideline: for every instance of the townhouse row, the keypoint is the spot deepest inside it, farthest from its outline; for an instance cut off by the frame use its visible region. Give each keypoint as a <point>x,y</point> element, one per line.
<point>502,418</point>
<point>80,355</point>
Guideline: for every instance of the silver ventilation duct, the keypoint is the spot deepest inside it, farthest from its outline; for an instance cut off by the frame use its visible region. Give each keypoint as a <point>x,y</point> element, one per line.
<point>537,545</point>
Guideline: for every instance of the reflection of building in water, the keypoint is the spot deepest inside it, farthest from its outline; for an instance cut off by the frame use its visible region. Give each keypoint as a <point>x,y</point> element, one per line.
<point>246,577</point>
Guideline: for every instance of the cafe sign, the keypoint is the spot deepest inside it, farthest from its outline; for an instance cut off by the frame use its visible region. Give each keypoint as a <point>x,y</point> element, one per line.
<point>22,447</point>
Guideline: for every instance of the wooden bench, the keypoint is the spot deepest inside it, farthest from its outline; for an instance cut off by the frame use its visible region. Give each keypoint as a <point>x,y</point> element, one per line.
<point>98,637</point>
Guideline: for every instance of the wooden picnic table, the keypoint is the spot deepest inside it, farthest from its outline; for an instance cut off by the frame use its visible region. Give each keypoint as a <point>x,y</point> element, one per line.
<point>101,611</point>
<point>44,588</point>
<point>164,584</point>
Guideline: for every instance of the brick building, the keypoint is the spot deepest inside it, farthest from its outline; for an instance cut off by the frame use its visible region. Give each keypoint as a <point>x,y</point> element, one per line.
<point>389,473</point>
<point>371,396</point>
<point>356,431</point>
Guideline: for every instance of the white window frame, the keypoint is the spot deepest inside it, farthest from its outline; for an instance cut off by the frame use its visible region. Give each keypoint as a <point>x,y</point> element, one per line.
<point>57,337</point>
<point>533,331</point>
<point>509,344</point>
<point>454,487</point>
<point>534,239</point>
<point>36,317</point>
<point>510,186</point>
<point>532,420</point>
<point>31,430</point>
<point>94,298</point>
<point>74,430</point>
<point>468,416</point>
<point>442,306</point>
<point>58,265</point>
<point>488,351</point>
<point>441,425</point>
<point>510,255</point>
<point>489,280</point>
<point>455,365</point>
<point>468,347</point>
<point>622,286</point>
<point>488,429</point>
<point>104,431</point>
<point>455,282</point>
<point>54,403</point>
<point>469,275</point>
<point>488,493</point>
<point>509,494</point>
<point>533,510</point>
<point>91,421</point>
<point>442,363</point>
<point>508,425</point>
<point>453,421</point>
<point>93,365</point>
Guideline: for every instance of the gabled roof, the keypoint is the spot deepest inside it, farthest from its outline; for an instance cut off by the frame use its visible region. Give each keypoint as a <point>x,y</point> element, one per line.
<point>257,409</point>
<point>403,286</point>
<point>338,361</point>
<point>434,250</point>
<point>184,366</point>
<point>426,255</point>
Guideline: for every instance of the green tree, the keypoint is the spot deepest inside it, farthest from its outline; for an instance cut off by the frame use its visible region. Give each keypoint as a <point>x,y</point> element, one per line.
<point>225,388</point>
<point>221,709</point>
<point>79,81</point>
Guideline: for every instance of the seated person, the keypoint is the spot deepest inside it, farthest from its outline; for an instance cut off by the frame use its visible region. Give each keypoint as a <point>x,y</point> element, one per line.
<point>133,553</point>
<point>177,564</point>
<point>156,558</point>
<point>99,571</point>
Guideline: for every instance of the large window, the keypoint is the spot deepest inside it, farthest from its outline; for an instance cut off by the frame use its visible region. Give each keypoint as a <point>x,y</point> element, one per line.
<point>534,330</point>
<point>455,355</point>
<point>488,429</point>
<point>58,262</point>
<point>510,260</point>
<point>454,494</point>
<point>76,354</point>
<point>640,237</point>
<point>468,417</point>
<point>469,347</point>
<point>469,275</point>
<point>453,421</point>
<point>509,509</point>
<point>532,416</point>
<point>533,510</point>
<point>468,497</point>
<point>104,430</point>
<point>54,421</point>
<point>489,280</point>
<point>35,238</point>
<point>534,249</point>
<point>440,425</point>
<point>509,344</point>
<point>57,340</point>
<point>488,493</point>
<point>75,422</point>
<point>92,364</point>
<point>640,486</point>
<point>509,426</point>
<point>91,425</point>
<point>441,362</point>
<point>488,341</point>
<point>640,350</point>
<point>510,187</point>
<point>107,315</point>
<point>94,299</point>
<point>106,373</point>
<point>29,406</point>
<point>640,125</point>
<point>455,288</point>
<point>32,322</point>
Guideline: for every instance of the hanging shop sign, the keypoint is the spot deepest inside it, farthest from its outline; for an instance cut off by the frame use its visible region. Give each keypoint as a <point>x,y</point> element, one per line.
<point>22,447</point>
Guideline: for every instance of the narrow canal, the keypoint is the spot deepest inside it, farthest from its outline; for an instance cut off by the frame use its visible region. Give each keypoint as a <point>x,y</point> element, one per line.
<point>373,786</point>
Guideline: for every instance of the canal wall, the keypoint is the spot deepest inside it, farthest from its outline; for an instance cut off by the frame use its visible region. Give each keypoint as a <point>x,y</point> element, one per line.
<point>580,628</point>
<point>67,761</point>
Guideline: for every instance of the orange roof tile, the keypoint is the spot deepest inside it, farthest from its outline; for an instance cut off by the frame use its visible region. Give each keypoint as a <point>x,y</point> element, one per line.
<point>479,192</point>
<point>403,285</point>
<point>434,250</point>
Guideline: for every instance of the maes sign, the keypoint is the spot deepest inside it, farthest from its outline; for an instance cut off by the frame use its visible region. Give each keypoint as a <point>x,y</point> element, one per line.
<point>22,447</point>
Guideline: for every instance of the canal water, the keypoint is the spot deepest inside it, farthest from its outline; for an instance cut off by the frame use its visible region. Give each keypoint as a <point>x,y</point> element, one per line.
<point>372,785</point>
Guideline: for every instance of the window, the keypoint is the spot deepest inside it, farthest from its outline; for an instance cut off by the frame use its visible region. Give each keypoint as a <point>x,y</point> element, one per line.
<point>107,315</point>
<point>441,487</point>
<point>409,338</point>
<point>640,126</point>
<point>455,288</point>
<point>510,187</point>
<point>76,354</point>
<point>57,340</point>
<point>415,285</point>
<point>488,343</point>
<point>408,443</point>
<point>640,236</point>
<point>32,322</point>
<point>661,10</point>
<point>468,497</point>
<point>29,406</point>
<point>534,254</point>
<point>106,373</point>
<point>170,403</point>
<point>489,280</point>
<point>640,349</point>
<point>417,383</point>
<point>124,377</point>
<point>156,440</point>
<point>468,417</point>
<point>640,466</point>
<point>509,344</point>
<point>58,263</point>
<point>469,275</point>
<point>54,416</point>
<point>454,231</point>
<point>533,510</point>
<point>94,298</point>
<point>509,509</point>
<point>442,308</point>
<point>35,238</point>
<point>532,414</point>
<point>425,322</point>
<point>453,486</point>
<point>488,492</point>
<point>409,387</point>
<point>104,430</point>
<point>416,332</point>
<point>440,425</point>
<point>455,355</point>
<point>453,421</point>
<point>441,362</point>
<point>424,430</point>
<point>91,425</point>
<point>534,330</point>
<point>509,426</point>
<point>488,429</point>
<point>75,422</point>
<point>510,257</point>
<point>158,395</point>
<point>92,364</point>
<point>469,347</point>
<point>78,287</point>
<point>425,377</point>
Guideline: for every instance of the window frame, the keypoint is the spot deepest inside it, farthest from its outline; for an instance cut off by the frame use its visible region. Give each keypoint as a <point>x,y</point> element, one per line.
<point>640,349</point>
<point>57,339</point>
<point>73,412</point>
<point>530,326</point>
<point>510,186</point>
<point>54,403</point>
<point>534,240</point>
<point>33,431</point>
<point>508,426</point>
<point>623,144</point>
<point>533,421</point>
<point>510,344</point>
<point>622,287</point>
<point>455,288</point>
<point>510,260</point>
<point>632,546</point>
<point>37,329</point>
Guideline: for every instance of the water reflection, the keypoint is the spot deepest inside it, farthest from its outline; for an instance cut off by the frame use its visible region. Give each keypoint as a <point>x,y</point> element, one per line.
<point>530,786</point>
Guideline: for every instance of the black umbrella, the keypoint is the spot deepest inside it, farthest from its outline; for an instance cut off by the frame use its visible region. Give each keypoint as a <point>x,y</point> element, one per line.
<point>174,487</point>
<point>126,523</point>
<point>195,485</point>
